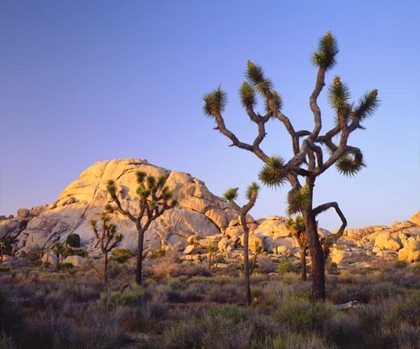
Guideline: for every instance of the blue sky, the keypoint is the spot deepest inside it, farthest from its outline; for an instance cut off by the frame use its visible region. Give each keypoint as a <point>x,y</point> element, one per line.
<point>84,81</point>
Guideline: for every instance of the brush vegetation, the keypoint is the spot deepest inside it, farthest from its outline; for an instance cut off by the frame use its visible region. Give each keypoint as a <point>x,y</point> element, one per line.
<point>186,305</point>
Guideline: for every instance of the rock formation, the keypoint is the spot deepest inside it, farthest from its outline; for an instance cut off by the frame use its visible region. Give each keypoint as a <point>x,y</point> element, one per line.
<point>200,213</point>
<point>201,221</point>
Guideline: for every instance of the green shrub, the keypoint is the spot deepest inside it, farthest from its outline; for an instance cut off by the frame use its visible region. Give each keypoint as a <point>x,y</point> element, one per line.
<point>6,341</point>
<point>347,294</point>
<point>132,298</point>
<point>285,266</point>
<point>158,253</point>
<point>121,255</point>
<point>232,312</point>
<point>65,266</point>
<point>71,251</point>
<point>300,315</point>
<point>33,256</point>
<point>11,315</point>
<point>73,240</point>
<point>400,264</point>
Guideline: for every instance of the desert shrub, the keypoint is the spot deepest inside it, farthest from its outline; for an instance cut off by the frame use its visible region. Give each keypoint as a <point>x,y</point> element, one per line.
<point>285,266</point>
<point>79,293</point>
<point>33,256</point>
<point>382,289</point>
<point>145,318</point>
<point>73,240</point>
<point>206,333</point>
<point>291,340</point>
<point>121,255</point>
<point>133,298</point>
<point>175,296</point>
<point>116,269</point>
<point>408,311</point>
<point>301,315</point>
<point>166,267</point>
<point>47,330</point>
<point>400,264</point>
<point>6,341</point>
<point>158,253</point>
<point>347,294</point>
<point>183,335</point>
<point>65,266</point>
<point>233,312</point>
<point>345,330</point>
<point>400,336</point>
<point>72,251</point>
<point>11,315</point>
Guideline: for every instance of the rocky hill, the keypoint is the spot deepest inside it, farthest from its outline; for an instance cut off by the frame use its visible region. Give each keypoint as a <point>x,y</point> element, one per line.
<point>200,220</point>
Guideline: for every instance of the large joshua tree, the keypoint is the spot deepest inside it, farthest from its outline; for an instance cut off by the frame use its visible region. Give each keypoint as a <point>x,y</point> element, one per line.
<point>154,199</point>
<point>313,152</point>
<point>251,194</point>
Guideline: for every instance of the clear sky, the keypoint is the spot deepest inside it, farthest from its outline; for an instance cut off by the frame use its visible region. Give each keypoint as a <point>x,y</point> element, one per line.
<point>84,81</point>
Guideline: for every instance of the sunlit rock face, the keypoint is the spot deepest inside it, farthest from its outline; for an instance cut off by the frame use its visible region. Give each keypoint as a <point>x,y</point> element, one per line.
<point>415,218</point>
<point>199,212</point>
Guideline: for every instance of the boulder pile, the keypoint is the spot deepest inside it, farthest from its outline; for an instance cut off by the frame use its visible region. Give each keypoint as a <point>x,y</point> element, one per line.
<point>201,223</point>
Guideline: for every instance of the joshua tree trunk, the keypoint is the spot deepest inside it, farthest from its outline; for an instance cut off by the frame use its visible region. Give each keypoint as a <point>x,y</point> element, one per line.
<point>246,259</point>
<point>140,243</point>
<point>106,267</point>
<point>317,255</point>
<point>303,262</point>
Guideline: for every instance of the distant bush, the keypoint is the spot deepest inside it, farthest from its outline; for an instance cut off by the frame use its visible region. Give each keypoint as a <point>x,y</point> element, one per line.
<point>121,255</point>
<point>400,264</point>
<point>158,253</point>
<point>65,266</point>
<point>233,312</point>
<point>73,251</point>
<point>73,240</point>
<point>285,266</point>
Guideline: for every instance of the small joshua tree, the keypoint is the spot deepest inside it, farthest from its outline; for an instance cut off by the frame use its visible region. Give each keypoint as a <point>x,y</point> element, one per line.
<point>58,250</point>
<point>251,194</point>
<point>309,146</point>
<point>108,239</point>
<point>297,228</point>
<point>154,199</point>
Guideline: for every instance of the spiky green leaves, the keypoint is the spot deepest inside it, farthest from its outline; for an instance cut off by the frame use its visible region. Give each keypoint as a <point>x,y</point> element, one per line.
<point>111,187</point>
<point>166,194</point>
<point>350,164</point>
<point>150,182</point>
<point>247,94</point>
<point>143,192</point>
<point>274,172</point>
<point>296,225</point>
<point>338,94</point>
<point>215,102</point>
<point>367,105</point>
<point>140,176</point>
<point>324,57</point>
<point>276,100</point>
<point>252,191</point>
<point>256,77</point>
<point>298,200</point>
<point>231,194</point>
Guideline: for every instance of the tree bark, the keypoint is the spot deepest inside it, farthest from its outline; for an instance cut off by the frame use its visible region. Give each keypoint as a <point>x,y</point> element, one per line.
<point>105,267</point>
<point>317,256</point>
<point>303,262</point>
<point>246,260</point>
<point>139,257</point>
